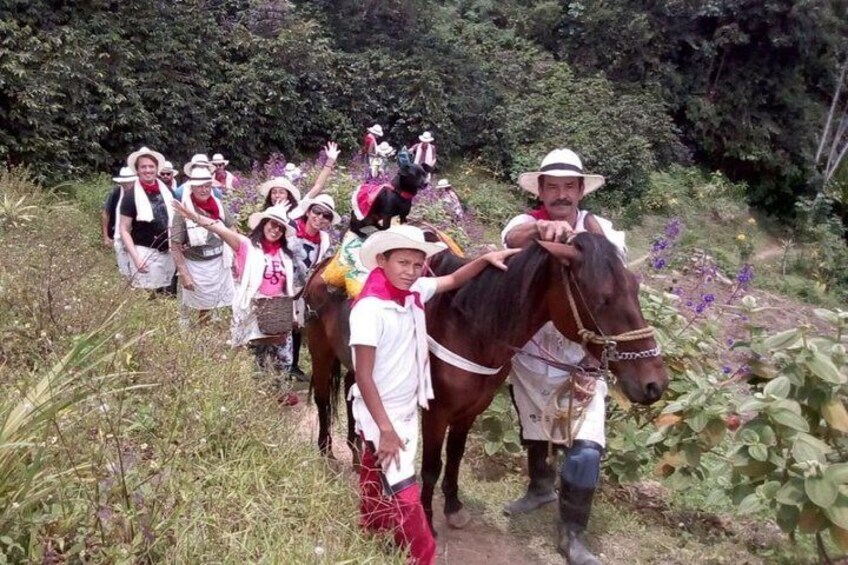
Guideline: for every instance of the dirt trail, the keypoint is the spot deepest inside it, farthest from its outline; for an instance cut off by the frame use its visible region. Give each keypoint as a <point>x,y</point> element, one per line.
<point>479,543</point>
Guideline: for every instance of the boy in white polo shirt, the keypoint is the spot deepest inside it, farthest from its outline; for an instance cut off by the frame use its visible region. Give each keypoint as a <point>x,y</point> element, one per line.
<point>388,337</point>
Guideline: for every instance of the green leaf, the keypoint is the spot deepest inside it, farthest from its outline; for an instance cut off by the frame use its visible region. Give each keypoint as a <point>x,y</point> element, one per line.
<point>491,447</point>
<point>827,315</point>
<point>783,340</point>
<point>807,448</point>
<point>838,511</point>
<point>751,405</point>
<point>792,493</point>
<point>787,518</point>
<point>769,489</point>
<point>778,388</point>
<point>655,437</point>
<point>837,473</point>
<point>749,437</point>
<point>698,421</point>
<point>790,419</point>
<point>758,452</point>
<point>750,504</point>
<point>822,366</point>
<point>821,491</point>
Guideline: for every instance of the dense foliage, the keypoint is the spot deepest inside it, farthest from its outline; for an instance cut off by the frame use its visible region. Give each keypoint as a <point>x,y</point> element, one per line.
<point>740,85</point>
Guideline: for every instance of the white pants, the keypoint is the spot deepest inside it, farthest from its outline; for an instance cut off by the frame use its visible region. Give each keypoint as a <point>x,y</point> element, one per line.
<point>532,392</point>
<point>160,268</point>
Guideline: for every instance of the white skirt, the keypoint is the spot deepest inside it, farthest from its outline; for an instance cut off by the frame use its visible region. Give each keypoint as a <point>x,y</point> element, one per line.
<point>213,285</point>
<point>532,391</point>
<point>160,269</point>
<point>122,257</point>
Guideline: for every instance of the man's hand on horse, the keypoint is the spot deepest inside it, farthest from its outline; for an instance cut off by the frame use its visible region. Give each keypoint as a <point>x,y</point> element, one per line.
<point>497,258</point>
<point>389,449</point>
<point>554,230</point>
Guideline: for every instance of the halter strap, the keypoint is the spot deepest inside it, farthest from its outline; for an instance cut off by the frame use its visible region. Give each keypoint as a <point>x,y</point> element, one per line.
<point>610,342</point>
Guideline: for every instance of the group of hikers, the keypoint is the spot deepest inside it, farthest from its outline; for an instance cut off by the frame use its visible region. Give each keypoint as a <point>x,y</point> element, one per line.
<point>162,232</point>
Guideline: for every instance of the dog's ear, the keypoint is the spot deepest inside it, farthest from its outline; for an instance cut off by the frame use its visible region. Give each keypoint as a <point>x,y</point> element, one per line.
<point>427,168</point>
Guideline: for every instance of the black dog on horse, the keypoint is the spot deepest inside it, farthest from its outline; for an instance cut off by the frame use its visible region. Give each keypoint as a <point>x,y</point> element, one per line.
<point>395,199</point>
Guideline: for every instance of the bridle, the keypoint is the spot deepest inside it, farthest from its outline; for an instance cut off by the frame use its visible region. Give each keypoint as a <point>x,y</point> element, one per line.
<point>609,342</point>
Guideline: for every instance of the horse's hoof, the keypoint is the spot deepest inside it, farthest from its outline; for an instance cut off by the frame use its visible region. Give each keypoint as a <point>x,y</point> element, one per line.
<point>459,519</point>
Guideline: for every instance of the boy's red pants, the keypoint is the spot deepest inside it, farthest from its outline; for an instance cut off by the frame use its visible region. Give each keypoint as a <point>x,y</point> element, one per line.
<point>401,514</point>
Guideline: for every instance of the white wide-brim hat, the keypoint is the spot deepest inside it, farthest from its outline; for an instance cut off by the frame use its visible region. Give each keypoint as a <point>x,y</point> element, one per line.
<point>444,183</point>
<point>323,200</point>
<point>560,163</point>
<point>377,130</point>
<point>198,160</point>
<point>279,182</point>
<point>277,213</point>
<point>426,137</point>
<point>396,237</point>
<point>145,152</point>
<point>166,167</point>
<point>384,149</point>
<point>218,159</point>
<point>126,175</point>
<point>199,176</point>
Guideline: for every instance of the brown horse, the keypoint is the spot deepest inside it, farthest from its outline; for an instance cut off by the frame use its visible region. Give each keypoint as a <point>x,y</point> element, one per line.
<point>485,321</point>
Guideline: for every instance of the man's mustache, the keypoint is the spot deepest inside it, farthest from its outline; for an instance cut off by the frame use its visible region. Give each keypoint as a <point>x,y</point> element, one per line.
<point>562,202</point>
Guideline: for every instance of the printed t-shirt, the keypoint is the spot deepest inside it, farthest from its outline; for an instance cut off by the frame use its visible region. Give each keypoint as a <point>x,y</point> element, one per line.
<point>274,279</point>
<point>148,234</point>
<point>389,327</point>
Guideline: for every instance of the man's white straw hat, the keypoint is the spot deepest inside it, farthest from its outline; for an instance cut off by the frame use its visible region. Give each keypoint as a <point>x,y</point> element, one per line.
<point>396,237</point>
<point>560,163</point>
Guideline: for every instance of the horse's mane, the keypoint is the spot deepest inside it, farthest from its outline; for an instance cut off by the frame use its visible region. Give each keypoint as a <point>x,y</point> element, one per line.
<point>494,300</point>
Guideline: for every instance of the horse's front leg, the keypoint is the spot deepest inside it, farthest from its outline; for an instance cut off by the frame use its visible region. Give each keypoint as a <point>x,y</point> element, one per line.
<point>456,515</point>
<point>354,442</point>
<point>433,434</point>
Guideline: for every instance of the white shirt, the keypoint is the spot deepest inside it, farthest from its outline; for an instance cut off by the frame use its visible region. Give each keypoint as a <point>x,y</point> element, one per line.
<point>548,341</point>
<point>390,328</point>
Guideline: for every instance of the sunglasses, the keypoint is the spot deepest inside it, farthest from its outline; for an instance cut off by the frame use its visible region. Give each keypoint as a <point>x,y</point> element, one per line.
<point>166,174</point>
<point>219,165</point>
<point>323,213</point>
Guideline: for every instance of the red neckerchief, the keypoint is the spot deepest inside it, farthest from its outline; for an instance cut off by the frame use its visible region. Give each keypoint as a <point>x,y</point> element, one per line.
<point>152,189</point>
<point>300,224</point>
<point>271,247</point>
<point>540,213</point>
<point>377,285</point>
<point>403,194</point>
<point>210,207</point>
<point>221,175</point>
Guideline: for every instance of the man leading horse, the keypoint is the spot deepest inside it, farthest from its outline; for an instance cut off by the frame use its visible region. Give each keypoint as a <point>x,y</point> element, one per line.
<point>560,184</point>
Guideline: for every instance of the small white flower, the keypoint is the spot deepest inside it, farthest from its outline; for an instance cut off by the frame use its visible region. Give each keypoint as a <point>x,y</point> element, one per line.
<point>16,505</point>
<point>223,409</point>
<point>103,408</point>
<point>319,550</point>
<point>119,336</point>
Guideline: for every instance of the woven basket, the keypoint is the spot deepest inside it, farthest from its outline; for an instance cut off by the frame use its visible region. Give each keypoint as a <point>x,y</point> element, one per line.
<point>274,316</point>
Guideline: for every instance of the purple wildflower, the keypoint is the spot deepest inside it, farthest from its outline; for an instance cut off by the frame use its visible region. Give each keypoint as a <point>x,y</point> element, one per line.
<point>746,274</point>
<point>725,370</point>
<point>730,342</point>
<point>658,263</point>
<point>673,228</point>
<point>709,298</point>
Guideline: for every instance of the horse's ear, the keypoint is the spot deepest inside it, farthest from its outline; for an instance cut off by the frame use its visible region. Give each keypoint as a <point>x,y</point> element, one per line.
<point>564,253</point>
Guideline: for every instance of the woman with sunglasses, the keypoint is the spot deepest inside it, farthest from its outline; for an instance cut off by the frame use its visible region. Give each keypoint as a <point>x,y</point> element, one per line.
<point>264,268</point>
<point>311,221</point>
<point>281,190</point>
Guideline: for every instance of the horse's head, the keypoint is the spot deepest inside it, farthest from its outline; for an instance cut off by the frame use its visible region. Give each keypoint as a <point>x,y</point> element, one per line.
<point>410,177</point>
<point>598,301</point>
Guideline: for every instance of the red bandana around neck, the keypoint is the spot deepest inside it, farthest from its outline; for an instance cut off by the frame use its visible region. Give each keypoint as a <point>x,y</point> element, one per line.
<point>271,247</point>
<point>540,213</point>
<point>300,223</point>
<point>152,189</point>
<point>377,285</point>
<point>210,207</point>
